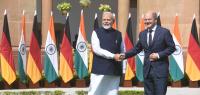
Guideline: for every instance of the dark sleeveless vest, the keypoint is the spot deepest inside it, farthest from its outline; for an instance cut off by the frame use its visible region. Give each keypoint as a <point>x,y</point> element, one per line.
<point>110,40</point>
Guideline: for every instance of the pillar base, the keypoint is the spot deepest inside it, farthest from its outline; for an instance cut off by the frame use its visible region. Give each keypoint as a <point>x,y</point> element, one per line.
<point>49,85</point>
<point>193,84</point>
<point>68,84</point>
<point>127,83</point>
<point>140,84</point>
<point>80,83</point>
<point>176,84</point>
<point>22,85</point>
<point>36,85</point>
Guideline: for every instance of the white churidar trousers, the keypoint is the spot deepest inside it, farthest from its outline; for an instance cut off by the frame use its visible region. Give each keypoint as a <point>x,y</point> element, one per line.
<point>104,85</point>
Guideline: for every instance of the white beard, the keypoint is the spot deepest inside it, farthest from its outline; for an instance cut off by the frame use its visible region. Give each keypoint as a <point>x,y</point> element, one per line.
<point>106,26</point>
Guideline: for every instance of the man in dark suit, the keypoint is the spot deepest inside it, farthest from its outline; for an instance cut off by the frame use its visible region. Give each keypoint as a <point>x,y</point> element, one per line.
<point>157,44</point>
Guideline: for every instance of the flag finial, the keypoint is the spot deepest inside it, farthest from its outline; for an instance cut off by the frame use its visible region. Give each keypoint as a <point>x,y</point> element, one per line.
<point>5,12</point>
<point>113,14</point>
<point>51,13</point>
<point>95,15</point>
<point>176,14</point>
<point>23,12</point>
<point>67,15</point>
<point>35,13</point>
<point>194,16</point>
<point>129,15</point>
<point>158,14</point>
<point>82,11</point>
<point>142,15</point>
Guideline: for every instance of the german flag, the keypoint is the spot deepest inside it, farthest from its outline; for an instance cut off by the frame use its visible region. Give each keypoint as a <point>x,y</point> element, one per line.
<point>96,25</point>
<point>34,66</point>
<point>158,19</point>
<point>193,55</point>
<point>66,56</point>
<point>130,68</point>
<point>7,61</point>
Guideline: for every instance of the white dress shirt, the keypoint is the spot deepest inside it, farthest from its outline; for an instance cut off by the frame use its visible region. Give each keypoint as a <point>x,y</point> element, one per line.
<point>152,34</point>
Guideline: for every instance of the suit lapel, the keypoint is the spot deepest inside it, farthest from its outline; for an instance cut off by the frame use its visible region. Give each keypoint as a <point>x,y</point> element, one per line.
<point>157,32</point>
<point>145,38</point>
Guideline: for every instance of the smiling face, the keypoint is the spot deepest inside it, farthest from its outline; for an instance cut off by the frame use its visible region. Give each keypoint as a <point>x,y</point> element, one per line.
<point>107,20</point>
<point>150,19</point>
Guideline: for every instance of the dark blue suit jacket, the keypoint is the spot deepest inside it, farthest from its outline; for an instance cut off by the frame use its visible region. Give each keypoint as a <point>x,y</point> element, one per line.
<point>162,44</point>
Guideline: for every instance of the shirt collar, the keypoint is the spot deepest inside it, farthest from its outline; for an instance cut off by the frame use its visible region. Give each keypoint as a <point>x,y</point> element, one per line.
<point>154,28</point>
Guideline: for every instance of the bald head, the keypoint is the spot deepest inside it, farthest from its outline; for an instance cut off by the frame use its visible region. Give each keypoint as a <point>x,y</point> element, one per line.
<point>107,20</point>
<point>151,13</point>
<point>150,19</point>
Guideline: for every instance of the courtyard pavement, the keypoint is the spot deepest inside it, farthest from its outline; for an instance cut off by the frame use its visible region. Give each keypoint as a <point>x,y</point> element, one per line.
<point>71,91</point>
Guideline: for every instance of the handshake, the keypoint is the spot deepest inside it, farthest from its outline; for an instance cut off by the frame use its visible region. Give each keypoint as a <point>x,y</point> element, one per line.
<point>119,57</point>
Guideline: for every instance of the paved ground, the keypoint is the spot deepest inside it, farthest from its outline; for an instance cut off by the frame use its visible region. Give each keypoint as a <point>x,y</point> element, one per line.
<point>71,91</point>
<point>174,91</point>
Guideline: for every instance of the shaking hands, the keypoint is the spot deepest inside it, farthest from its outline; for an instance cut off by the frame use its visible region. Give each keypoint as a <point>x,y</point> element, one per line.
<point>119,57</point>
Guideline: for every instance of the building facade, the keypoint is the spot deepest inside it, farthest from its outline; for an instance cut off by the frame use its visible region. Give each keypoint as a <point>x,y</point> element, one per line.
<point>167,9</point>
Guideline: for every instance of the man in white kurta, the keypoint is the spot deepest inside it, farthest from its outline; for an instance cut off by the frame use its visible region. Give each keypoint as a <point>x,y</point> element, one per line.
<point>106,71</point>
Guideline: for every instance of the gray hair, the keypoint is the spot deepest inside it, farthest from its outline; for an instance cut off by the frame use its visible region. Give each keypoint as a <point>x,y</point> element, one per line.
<point>110,13</point>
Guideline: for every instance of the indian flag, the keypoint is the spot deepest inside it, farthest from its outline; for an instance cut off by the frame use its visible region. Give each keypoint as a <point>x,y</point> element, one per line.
<point>81,52</point>
<point>114,24</point>
<point>176,67</point>
<point>22,53</point>
<point>50,58</point>
<point>140,57</point>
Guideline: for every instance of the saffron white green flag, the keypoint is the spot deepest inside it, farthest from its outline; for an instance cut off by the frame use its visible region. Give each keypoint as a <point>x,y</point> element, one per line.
<point>140,57</point>
<point>51,60</point>
<point>22,53</point>
<point>176,66</point>
<point>81,52</point>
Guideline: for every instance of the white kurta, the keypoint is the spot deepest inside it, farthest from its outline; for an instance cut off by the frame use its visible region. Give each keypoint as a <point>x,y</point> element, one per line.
<point>103,84</point>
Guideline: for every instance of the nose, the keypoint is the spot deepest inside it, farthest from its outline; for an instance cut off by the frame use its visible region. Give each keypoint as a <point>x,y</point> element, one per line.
<point>106,21</point>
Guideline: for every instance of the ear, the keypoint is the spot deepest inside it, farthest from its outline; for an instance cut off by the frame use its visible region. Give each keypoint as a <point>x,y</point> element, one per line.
<point>156,20</point>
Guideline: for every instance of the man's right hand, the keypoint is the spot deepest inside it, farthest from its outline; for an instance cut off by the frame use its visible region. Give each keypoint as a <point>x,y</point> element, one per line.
<point>119,57</point>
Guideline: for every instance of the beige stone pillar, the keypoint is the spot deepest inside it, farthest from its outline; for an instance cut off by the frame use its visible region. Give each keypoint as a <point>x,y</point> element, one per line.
<point>123,10</point>
<point>46,13</point>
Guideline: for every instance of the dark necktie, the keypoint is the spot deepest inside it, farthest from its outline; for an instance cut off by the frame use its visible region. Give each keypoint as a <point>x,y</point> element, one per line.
<point>150,37</point>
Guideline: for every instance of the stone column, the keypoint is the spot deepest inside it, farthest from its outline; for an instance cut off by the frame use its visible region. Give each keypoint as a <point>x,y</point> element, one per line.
<point>123,10</point>
<point>46,13</point>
